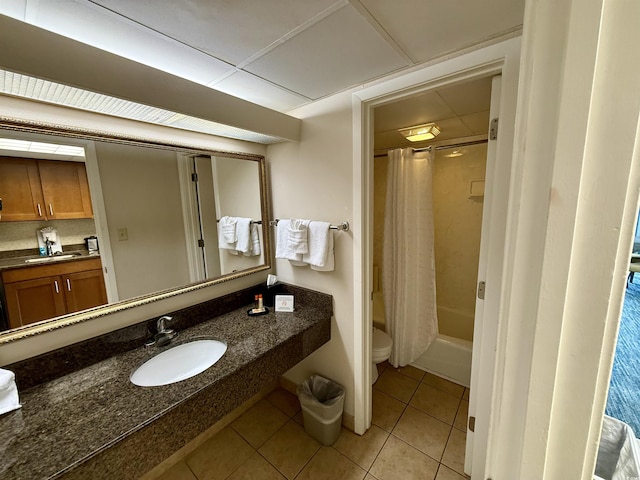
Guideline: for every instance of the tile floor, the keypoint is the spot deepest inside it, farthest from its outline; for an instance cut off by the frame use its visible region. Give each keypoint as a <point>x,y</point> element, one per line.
<point>418,432</point>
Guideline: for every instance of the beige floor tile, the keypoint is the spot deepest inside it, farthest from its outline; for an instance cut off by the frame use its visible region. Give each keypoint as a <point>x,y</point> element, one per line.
<point>256,468</point>
<point>362,449</point>
<point>219,456</point>
<point>285,401</point>
<point>398,460</point>
<point>410,371</point>
<point>466,394</point>
<point>461,417</point>
<point>436,403</point>
<point>328,464</point>
<point>386,410</point>
<point>397,385</point>
<point>259,423</point>
<point>179,471</point>
<point>299,418</point>
<point>289,449</point>
<point>444,385</point>
<point>445,473</point>
<point>454,452</point>
<point>423,432</point>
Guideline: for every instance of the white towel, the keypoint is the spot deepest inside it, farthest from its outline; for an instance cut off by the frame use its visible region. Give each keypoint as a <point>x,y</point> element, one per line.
<point>298,238</point>
<point>8,392</point>
<point>329,263</point>
<point>255,241</point>
<point>318,244</point>
<point>227,233</point>
<point>282,242</point>
<point>243,235</point>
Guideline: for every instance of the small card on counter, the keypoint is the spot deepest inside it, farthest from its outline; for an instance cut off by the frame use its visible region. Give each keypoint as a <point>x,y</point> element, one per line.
<point>284,303</point>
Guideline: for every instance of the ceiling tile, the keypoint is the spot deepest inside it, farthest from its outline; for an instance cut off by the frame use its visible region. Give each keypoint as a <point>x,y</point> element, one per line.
<point>468,97</point>
<point>415,110</point>
<point>478,123</point>
<point>340,51</point>
<point>425,29</point>
<point>231,30</point>
<point>95,26</point>
<point>249,87</point>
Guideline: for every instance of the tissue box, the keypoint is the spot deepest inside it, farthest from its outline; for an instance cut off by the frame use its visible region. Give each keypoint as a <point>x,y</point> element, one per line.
<point>8,392</point>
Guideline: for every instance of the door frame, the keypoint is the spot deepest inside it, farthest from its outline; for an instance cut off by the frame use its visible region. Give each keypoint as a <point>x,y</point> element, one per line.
<point>498,59</point>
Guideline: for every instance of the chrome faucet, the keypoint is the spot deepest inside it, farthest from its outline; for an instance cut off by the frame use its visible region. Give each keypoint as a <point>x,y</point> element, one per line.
<point>163,334</point>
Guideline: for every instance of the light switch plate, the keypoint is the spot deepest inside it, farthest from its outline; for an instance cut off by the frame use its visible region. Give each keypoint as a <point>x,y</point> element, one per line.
<point>284,303</point>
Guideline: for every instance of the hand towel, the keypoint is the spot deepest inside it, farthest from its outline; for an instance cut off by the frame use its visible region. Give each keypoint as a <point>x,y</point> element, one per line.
<point>228,226</point>
<point>243,234</point>
<point>255,241</point>
<point>318,244</point>
<point>298,239</point>
<point>8,392</point>
<point>282,242</point>
<point>329,263</point>
<point>227,233</point>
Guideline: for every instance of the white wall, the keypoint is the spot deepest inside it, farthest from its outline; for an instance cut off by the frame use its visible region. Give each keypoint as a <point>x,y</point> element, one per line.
<point>141,193</point>
<point>313,180</point>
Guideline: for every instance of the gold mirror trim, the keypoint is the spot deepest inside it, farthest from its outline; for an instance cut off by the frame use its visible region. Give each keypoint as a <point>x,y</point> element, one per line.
<point>29,126</point>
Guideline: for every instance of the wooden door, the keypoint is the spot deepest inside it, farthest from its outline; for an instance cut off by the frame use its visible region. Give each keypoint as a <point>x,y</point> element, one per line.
<point>66,189</point>
<point>20,190</point>
<point>84,290</point>
<point>34,300</point>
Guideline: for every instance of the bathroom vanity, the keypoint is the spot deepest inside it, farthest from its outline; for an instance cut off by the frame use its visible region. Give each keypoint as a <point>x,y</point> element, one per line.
<point>83,418</point>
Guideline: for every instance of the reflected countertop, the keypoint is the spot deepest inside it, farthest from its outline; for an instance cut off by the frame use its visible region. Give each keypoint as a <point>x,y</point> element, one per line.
<point>8,262</point>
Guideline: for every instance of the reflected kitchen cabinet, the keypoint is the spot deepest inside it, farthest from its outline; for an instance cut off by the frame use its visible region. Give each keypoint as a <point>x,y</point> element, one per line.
<point>38,293</point>
<point>43,189</point>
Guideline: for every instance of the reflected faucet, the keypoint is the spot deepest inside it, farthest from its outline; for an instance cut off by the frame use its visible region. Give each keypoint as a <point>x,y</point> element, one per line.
<point>163,334</point>
<point>48,244</point>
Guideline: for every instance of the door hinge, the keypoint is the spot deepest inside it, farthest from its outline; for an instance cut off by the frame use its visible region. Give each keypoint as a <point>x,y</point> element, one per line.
<point>201,243</point>
<point>481,288</point>
<point>493,129</point>
<point>194,177</point>
<point>472,424</point>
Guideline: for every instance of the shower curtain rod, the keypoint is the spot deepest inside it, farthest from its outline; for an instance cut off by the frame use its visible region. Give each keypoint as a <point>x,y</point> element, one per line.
<point>442,147</point>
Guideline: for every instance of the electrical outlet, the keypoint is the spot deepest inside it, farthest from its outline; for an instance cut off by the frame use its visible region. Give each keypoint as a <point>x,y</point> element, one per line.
<point>122,234</point>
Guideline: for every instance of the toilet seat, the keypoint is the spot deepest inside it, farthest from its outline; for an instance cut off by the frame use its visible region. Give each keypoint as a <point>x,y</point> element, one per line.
<point>381,346</point>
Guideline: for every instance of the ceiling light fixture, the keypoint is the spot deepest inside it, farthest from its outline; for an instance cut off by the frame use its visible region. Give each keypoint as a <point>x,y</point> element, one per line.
<point>419,133</point>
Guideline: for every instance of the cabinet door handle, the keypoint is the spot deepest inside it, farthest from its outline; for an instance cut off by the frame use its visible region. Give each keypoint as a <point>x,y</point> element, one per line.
<point>55,282</point>
<point>68,285</point>
<point>39,211</point>
<point>50,209</point>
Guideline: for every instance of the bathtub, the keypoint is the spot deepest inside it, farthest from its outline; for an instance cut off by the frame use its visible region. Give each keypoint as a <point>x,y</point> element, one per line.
<point>447,357</point>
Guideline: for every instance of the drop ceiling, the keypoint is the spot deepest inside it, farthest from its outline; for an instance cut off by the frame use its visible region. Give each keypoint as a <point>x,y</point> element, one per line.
<point>282,54</point>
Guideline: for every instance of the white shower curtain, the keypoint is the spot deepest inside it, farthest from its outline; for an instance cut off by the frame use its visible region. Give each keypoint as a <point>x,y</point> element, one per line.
<point>408,272</point>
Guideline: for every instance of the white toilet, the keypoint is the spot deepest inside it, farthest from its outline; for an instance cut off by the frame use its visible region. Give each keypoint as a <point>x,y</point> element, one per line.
<point>380,351</point>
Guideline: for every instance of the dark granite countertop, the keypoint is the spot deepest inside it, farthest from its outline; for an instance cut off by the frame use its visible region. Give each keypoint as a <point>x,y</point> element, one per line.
<point>11,262</point>
<point>67,422</point>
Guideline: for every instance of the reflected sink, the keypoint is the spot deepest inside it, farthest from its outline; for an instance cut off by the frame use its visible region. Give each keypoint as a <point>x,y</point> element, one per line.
<point>52,258</point>
<point>179,363</point>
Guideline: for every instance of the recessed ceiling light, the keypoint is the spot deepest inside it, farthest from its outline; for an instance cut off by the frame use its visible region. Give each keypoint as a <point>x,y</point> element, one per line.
<point>458,152</point>
<point>419,133</point>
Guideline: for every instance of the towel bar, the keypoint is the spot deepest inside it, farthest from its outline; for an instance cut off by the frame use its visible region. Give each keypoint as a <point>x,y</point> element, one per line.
<point>344,226</point>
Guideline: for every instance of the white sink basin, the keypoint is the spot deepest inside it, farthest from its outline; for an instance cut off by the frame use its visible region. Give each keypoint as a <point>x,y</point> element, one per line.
<point>52,258</point>
<point>178,363</point>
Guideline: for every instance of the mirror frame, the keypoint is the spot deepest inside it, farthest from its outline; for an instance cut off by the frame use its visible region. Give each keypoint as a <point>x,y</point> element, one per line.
<point>44,326</point>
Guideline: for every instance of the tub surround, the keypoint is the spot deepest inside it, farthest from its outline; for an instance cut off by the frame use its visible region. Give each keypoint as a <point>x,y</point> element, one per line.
<point>82,418</point>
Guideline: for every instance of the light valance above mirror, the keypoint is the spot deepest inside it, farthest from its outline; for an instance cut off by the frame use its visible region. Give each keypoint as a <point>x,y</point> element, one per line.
<point>156,209</point>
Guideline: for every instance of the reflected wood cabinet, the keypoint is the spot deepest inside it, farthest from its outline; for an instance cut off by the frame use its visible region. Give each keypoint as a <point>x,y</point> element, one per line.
<point>41,292</point>
<point>43,190</point>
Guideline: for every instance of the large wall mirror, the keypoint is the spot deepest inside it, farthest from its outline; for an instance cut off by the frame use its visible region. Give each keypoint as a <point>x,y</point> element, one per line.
<point>168,219</point>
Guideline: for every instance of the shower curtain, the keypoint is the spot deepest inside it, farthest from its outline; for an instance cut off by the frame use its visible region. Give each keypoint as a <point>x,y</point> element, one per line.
<point>408,273</point>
